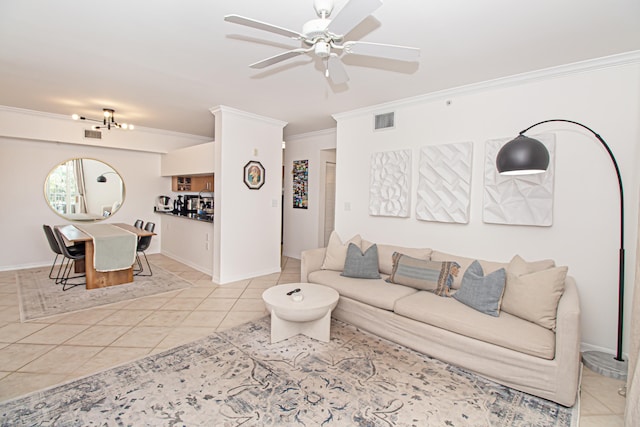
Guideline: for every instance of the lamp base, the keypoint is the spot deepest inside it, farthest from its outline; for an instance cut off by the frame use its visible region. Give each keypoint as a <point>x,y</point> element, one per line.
<point>605,364</point>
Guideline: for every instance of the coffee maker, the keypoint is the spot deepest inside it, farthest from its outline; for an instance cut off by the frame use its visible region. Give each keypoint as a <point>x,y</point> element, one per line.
<point>163,204</point>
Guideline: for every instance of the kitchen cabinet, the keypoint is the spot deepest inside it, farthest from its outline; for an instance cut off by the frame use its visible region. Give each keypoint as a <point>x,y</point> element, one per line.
<point>188,241</point>
<point>192,183</point>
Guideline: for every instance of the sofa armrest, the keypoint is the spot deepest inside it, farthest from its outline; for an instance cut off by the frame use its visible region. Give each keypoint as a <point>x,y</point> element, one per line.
<point>310,261</point>
<point>568,336</point>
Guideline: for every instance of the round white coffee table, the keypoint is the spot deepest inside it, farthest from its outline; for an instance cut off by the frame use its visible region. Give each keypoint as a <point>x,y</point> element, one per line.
<point>300,308</point>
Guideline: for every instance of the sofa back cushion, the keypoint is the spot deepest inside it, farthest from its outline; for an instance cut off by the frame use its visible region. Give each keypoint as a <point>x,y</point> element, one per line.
<point>385,254</point>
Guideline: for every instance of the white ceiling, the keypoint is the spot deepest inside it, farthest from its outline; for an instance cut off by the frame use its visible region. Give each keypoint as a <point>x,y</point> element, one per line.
<point>162,64</point>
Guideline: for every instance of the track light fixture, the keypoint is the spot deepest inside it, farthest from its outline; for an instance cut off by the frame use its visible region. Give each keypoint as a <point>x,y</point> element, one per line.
<point>108,121</point>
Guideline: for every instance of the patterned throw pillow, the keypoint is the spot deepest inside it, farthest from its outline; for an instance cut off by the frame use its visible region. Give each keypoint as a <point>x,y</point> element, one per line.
<point>434,276</point>
<point>480,292</point>
<point>361,265</point>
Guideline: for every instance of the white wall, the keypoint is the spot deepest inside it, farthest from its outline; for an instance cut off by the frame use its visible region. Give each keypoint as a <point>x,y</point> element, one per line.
<point>33,143</point>
<point>247,222</point>
<point>24,166</point>
<point>303,227</point>
<point>601,94</point>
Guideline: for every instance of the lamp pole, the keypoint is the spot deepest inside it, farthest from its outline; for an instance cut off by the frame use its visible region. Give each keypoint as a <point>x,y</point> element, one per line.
<point>598,361</point>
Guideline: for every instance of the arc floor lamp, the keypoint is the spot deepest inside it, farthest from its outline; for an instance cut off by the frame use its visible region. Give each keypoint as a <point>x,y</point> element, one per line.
<point>524,155</point>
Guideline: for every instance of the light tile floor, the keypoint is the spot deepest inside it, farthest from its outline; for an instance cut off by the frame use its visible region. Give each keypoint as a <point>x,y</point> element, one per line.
<point>46,352</point>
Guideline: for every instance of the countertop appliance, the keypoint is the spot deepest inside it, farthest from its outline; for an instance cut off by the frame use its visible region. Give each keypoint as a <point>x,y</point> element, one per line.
<point>163,204</point>
<point>191,203</point>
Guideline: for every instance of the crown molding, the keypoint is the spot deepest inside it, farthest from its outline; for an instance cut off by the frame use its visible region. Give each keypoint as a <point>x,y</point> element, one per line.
<point>66,118</point>
<point>317,133</point>
<point>632,57</point>
<point>252,116</point>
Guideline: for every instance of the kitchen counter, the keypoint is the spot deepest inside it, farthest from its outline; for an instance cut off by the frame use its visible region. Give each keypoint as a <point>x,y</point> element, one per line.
<point>192,216</point>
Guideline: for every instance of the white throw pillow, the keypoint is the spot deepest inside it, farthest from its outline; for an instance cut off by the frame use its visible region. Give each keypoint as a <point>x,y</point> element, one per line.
<point>518,266</point>
<point>336,252</point>
<point>535,296</point>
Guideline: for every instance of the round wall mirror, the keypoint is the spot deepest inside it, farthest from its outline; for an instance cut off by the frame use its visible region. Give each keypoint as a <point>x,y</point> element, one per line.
<point>84,190</point>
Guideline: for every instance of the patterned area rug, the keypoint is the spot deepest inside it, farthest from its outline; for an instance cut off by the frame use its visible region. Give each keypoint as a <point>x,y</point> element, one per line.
<point>237,377</point>
<point>40,297</point>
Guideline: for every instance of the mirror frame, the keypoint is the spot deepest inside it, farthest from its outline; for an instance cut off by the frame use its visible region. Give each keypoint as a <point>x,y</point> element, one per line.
<point>105,209</point>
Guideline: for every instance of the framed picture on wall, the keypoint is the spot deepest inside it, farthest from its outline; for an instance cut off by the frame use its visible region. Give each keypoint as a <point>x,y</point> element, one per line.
<point>254,175</point>
<point>300,183</point>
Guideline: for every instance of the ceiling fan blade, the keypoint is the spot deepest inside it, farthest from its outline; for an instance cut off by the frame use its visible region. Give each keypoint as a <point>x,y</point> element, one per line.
<point>237,19</point>
<point>337,73</point>
<point>279,58</point>
<point>389,51</point>
<point>351,14</point>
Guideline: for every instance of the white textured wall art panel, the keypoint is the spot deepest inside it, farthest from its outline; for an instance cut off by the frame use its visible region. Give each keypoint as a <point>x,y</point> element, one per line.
<point>390,183</point>
<point>518,200</point>
<point>444,183</point>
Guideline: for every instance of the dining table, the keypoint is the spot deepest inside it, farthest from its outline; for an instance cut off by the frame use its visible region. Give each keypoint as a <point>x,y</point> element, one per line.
<point>99,279</point>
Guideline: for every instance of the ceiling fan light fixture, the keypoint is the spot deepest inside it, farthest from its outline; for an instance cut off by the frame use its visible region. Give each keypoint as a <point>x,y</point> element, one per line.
<point>322,49</point>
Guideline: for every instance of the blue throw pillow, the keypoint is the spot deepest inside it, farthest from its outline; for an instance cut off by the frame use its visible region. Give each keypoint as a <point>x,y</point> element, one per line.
<point>361,265</point>
<point>480,292</point>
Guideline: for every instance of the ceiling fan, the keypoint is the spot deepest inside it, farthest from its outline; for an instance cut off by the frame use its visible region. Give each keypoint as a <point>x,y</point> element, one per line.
<point>324,37</point>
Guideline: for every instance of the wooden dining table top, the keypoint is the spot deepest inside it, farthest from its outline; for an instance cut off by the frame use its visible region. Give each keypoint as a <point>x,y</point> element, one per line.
<point>74,235</point>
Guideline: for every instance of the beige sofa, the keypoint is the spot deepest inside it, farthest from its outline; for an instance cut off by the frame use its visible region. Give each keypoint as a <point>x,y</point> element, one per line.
<point>507,349</point>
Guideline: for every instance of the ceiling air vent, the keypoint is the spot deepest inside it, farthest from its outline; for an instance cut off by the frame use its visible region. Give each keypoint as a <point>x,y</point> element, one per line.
<point>384,121</point>
<point>95,134</point>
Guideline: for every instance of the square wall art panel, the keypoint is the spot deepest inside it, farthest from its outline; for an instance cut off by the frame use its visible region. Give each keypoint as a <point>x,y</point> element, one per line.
<point>518,200</point>
<point>390,183</point>
<point>444,183</point>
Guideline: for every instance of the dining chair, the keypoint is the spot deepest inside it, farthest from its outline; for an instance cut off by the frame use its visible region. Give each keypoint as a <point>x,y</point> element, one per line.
<point>55,247</point>
<point>70,256</point>
<point>139,223</point>
<point>143,245</point>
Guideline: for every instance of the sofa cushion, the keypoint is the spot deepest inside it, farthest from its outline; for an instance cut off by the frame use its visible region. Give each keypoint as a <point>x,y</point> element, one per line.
<point>487,266</point>
<point>385,254</point>
<point>506,330</point>
<point>480,292</point>
<point>361,265</point>
<point>375,292</point>
<point>534,296</point>
<point>431,276</point>
<point>336,252</point>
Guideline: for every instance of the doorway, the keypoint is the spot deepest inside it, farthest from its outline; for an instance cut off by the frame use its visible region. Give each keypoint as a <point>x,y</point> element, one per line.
<point>329,200</point>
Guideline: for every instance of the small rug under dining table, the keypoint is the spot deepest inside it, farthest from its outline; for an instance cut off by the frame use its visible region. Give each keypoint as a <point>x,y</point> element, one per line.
<point>40,297</point>
<point>238,378</point>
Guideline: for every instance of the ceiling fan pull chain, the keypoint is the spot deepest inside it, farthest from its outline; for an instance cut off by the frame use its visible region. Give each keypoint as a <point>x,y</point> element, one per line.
<point>326,67</point>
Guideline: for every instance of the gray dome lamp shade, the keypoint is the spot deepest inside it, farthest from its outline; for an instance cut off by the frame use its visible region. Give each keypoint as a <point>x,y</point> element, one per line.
<point>522,156</point>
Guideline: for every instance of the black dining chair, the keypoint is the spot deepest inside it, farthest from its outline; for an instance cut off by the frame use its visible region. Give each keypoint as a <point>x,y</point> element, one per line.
<point>55,247</point>
<point>139,223</point>
<point>70,256</point>
<point>143,245</point>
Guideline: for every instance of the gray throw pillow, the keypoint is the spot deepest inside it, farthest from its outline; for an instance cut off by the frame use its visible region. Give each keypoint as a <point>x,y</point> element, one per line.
<point>361,265</point>
<point>480,292</point>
